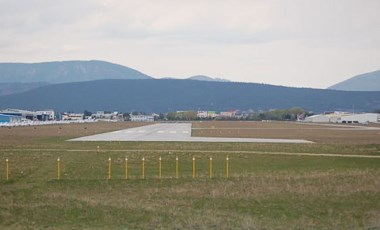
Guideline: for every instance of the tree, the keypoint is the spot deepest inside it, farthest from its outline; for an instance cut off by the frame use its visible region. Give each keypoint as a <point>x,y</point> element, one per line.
<point>87,113</point>
<point>171,115</point>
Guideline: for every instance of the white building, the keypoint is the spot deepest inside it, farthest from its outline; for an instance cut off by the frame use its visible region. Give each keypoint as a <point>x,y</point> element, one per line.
<point>102,115</point>
<point>202,114</point>
<point>72,116</point>
<point>142,118</point>
<point>363,118</point>
<point>49,114</point>
<point>338,117</point>
<point>229,113</point>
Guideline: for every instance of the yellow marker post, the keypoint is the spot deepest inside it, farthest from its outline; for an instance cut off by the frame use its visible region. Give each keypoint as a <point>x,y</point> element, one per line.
<point>58,169</point>
<point>227,167</point>
<point>210,167</point>
<point>109,168</point>
<point>159,167</point>
<point>193,167</point>
<point>143,168</point>
<point>176,167</point>
<point>126,168</point>
<point>7,168</point>
<point>97,148</point>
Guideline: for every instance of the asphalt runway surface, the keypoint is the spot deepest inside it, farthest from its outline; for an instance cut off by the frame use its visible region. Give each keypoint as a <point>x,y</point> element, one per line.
<point>180,132</point>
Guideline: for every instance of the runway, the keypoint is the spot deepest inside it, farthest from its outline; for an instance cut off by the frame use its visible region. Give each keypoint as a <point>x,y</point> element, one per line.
<point>180,132</point>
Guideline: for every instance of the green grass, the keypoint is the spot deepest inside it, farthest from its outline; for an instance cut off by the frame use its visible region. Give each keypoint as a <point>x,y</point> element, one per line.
<point>263,191</point>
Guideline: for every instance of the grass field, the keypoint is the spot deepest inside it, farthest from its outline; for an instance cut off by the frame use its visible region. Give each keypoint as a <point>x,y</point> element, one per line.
<point>266,189</point>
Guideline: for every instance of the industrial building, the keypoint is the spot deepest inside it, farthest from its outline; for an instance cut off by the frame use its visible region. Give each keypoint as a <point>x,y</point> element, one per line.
<point>345,118</point>
<point>25,114</point>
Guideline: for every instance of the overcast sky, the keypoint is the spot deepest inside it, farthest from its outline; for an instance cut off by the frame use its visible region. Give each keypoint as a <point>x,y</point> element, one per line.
<point>302,43</point>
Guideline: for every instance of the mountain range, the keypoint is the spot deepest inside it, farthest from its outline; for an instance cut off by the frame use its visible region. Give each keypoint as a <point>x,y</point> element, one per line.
<point>364,82</point>
<point>22,77</point>
<point>98,85</point>
<point>152,95</point>
<point>66,71</point>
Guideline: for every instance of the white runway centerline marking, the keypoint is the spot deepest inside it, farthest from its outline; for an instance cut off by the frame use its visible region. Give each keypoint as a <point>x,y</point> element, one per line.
<point>172,132</point>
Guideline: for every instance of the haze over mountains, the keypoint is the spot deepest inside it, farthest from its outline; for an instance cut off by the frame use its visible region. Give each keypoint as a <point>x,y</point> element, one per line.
<point>97,85</point>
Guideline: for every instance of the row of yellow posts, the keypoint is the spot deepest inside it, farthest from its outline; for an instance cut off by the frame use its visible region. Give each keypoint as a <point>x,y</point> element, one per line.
<point>159,168</point>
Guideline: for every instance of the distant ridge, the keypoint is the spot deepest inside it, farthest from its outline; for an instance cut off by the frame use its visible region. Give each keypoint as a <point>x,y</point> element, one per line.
<point>364,82</point>
<point>153,95</point>
<point>66,71</point>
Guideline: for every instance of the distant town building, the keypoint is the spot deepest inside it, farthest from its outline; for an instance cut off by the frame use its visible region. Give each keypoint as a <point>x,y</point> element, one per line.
<point>228,114</point>
<point>202,114</point>
<point>142,118</point>
<point>72,116</point>
<point>45,115</point>
<point>102,115</point>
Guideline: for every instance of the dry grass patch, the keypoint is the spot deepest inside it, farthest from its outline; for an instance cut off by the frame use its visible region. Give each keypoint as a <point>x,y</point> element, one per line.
<point>19,136</point>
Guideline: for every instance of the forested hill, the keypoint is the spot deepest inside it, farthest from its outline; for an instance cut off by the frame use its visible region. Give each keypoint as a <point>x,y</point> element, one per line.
<point>172,95</point>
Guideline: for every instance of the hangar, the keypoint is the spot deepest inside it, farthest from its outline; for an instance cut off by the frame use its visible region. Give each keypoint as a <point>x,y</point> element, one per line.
<point>43,115</point>
<point>361,118</point>
<point>345,118</point>
<point>9,118</point>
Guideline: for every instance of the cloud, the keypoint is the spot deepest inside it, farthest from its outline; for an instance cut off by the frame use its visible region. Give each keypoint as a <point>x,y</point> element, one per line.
<point>289,42</point>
